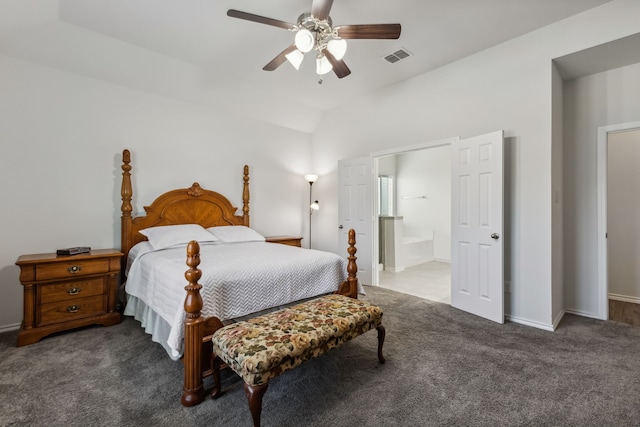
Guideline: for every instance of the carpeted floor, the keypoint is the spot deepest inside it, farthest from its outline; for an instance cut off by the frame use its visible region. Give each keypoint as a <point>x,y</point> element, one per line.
<point>444,367</point>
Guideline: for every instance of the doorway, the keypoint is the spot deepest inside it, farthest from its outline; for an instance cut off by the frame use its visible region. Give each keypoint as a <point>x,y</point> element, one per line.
<point>618,225</point>
<point>413,208</point>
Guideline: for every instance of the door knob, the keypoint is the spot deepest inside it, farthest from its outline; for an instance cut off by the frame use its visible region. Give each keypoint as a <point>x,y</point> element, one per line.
<point>340,227</point>
<point>495,236</point>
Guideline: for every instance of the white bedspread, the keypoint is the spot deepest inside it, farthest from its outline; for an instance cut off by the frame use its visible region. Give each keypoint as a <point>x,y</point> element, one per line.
<point>237,279</point>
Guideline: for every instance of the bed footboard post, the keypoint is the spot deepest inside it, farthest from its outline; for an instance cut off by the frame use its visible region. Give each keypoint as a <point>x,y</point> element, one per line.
<point>193,390</point>
<point>352,267</point>
<point>245,196</point>
<point>126,193</point>
<point>350,286</point>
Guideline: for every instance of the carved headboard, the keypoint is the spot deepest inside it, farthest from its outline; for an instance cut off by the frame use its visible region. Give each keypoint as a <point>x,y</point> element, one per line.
<point>193,205</point>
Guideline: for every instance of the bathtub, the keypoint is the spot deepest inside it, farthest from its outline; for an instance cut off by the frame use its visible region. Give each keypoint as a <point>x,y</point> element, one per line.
<point>416,250</point>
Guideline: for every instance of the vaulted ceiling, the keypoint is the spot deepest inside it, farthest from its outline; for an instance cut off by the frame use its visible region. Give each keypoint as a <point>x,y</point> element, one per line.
<point>191,50</point>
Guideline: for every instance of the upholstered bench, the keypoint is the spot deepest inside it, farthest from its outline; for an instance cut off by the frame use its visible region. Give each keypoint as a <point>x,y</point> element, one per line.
<point>261,348</point>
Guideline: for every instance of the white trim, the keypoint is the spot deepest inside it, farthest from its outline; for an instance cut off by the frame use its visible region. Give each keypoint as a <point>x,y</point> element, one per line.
<point>526,322</point>
<point>601,177</point>
<point>624,298</point>
<point>601,174</point>
<point>557,320</point>
<point>9,328</point>
<point>445,260</point>
<point>582,313</point>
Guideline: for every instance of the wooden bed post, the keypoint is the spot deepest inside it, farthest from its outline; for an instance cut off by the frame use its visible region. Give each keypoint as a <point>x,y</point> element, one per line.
<point>126,193</point>
<point>350,286</point>
<point>245,196</point>
<point>193,390</point>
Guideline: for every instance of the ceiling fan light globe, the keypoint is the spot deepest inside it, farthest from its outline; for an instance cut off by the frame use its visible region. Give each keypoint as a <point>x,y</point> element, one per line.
<point>323,66</point>
<point>304,40</point>
<point>295,58</point>
<point>338,47</point>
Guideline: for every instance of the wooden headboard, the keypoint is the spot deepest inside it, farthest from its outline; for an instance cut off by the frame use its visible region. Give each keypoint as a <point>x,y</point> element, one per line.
<point>193,205</point>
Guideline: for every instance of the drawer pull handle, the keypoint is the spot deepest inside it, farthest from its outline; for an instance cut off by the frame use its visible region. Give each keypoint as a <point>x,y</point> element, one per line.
<point>73,308</point>
<point>74,291</point>
<point>74,269</point>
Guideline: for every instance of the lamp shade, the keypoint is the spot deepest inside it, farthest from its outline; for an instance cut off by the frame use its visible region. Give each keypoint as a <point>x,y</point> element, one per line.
<point>338,47</point>
<point>295,58</point>
<point>323,66</point>
<point>304,40</point>
<point>311,178</point>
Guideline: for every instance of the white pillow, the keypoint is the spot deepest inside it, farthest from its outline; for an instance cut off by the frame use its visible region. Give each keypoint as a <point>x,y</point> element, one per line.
<point>236,234</point>
<point>166,236</point>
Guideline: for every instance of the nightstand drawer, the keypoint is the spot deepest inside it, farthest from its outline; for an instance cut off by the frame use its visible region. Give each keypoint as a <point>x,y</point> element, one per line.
<point>64,311</point>
<point>71,268</point>
<point>70,291</point>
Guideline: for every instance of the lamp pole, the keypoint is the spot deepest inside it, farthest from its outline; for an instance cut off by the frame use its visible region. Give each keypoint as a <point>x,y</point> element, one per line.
<point>310,211</point>
<point>311,178</point>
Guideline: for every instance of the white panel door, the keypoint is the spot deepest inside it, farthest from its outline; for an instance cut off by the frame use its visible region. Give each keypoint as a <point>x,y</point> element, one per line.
<point>355,210</point>
<point>477,275</point>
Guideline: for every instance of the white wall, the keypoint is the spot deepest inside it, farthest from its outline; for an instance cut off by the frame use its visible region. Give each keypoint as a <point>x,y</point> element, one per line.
<point>590,102</point>
<point>623,213</point>
<point>506,87</point>
<point>426,173</point>
<point>62,139</point>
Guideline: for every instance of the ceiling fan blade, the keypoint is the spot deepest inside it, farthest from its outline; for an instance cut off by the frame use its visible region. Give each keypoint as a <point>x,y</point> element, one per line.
<point>369,31</point>
<point>339,67</point>
<point>279,59</point>
<point>259,19</point>
<point>320,9</point>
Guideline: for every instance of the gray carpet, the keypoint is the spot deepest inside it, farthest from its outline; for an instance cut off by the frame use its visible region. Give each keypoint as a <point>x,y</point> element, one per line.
<point>444,367</point>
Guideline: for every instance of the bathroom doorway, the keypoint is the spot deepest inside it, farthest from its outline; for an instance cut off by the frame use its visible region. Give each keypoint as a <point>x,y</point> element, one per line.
<point>414,221</point>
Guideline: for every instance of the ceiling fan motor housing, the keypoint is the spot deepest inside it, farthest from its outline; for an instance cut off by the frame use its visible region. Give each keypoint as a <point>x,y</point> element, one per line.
<point>322,29</point>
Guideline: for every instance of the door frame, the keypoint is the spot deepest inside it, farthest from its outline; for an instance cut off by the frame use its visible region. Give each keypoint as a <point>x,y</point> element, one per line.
<point>601,175</point>
<point>374,176</point>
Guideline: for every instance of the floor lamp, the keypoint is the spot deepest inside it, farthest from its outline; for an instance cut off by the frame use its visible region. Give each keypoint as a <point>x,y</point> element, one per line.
<point>313,206</point>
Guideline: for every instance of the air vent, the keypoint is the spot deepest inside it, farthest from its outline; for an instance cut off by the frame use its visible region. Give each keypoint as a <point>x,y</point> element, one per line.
<point>398,55</point>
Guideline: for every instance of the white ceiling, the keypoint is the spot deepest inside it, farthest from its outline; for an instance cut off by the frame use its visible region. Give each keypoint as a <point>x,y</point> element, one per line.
<point>191,50</point>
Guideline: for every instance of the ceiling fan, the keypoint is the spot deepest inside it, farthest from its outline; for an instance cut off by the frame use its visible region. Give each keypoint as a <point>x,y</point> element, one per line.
<point>315,31</point>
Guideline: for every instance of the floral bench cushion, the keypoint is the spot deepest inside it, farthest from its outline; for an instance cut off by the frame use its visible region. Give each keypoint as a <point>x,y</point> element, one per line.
<point>262,348</point>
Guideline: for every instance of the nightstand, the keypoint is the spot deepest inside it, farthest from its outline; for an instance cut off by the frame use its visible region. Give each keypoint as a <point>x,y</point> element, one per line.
<point>285,240</point>
<point>63,292</point>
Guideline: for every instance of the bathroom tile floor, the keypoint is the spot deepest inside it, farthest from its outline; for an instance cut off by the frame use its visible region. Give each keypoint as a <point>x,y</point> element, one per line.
<point>431,280</point>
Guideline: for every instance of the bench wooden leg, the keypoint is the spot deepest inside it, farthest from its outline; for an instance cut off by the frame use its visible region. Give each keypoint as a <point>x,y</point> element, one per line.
<point>215,368</point>
<point>254,395</point>
<point>381,334</point>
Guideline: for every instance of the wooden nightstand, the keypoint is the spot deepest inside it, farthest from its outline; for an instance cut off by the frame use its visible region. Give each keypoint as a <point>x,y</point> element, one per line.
<point>62,292</point>
<point>285,240</point>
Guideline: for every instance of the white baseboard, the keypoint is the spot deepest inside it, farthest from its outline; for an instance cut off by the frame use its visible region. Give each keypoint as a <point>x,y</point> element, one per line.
<point>581,313</point>
<point>530,323</point>
<point>448,261</point>
<point>9,328</point>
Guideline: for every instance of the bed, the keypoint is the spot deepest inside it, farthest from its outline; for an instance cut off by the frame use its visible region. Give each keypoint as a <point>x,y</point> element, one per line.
<point>240,274</point>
